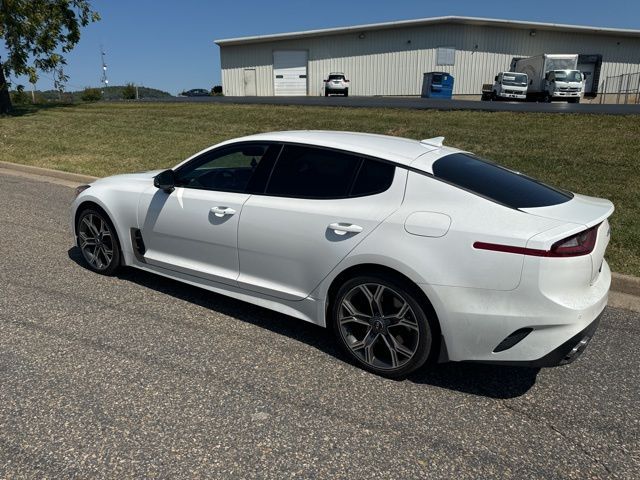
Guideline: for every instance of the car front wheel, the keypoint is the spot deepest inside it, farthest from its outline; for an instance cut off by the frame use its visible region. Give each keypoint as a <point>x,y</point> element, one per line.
<point>98,241</point>
<point>382,326</point>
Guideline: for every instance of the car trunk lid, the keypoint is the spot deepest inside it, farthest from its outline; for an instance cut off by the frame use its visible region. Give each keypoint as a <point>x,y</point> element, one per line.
<point>580,213</point>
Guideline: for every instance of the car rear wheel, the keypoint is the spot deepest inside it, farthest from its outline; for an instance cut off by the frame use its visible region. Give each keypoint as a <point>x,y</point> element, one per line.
<point>98,241</point>
<point>381,325</point>
<point>346,92</point>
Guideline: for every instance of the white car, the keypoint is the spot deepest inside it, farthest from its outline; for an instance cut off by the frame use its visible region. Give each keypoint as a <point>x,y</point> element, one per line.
<point>336,83</point>
<point>409,250</point>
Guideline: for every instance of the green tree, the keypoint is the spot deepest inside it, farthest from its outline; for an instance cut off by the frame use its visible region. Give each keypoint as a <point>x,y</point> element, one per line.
<point>19,96</point>
<point>129,92</point>
<point>36,35</point>
<point>91,95</point>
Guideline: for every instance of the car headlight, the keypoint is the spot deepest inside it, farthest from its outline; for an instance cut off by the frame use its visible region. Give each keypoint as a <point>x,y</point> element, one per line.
<point>81,189</point>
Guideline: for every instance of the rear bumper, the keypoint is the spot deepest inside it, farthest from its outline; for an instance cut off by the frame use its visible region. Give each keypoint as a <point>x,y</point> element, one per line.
<point>476,323</point>
<point>566,353</point>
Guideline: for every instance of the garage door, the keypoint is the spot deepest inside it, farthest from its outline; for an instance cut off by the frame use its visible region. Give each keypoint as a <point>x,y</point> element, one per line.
<point>290,72</point>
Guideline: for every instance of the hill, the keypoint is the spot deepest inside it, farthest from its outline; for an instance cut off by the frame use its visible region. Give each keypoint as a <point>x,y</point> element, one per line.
<point>109,93</point>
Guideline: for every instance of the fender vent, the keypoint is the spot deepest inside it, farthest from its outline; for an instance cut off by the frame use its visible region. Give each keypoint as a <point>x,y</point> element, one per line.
<point>138,244</point>
<point>512,339</point>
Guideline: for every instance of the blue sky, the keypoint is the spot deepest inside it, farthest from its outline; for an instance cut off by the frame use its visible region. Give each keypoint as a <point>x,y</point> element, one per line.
<point>169,45</point>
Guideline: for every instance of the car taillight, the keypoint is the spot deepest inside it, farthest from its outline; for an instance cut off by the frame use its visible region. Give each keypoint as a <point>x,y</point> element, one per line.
<point>581,243</point>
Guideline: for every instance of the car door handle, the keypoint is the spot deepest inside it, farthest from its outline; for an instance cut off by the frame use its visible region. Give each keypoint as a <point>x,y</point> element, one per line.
<point>222,211</point>
<point>344,228</point>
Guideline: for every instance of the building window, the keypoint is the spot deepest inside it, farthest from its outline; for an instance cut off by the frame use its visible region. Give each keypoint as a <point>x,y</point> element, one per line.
<point>446,56</point>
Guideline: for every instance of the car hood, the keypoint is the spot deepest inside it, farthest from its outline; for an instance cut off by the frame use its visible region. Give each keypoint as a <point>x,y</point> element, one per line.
<point>142,176</point>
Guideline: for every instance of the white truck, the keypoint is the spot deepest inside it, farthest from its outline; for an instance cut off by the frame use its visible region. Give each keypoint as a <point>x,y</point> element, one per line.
<point>507,86</point>
<point>551,76</point>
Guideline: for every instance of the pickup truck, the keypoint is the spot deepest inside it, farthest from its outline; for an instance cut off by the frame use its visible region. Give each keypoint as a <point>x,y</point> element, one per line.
<point>506,86</point>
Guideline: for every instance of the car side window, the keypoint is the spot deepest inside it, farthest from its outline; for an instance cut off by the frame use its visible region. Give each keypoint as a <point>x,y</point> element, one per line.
<point>308,172</point>
<point>230,169</point>
<point>373,177</point>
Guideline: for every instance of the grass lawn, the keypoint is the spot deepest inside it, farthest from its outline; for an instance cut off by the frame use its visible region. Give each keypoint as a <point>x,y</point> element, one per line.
<point>592,154</point>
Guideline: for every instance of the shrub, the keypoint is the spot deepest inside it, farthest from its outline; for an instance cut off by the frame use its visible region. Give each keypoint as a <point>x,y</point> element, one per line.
<point>19,96</point>
<point>129,92</point>
<point>217,90</point>
<point>91,95</point>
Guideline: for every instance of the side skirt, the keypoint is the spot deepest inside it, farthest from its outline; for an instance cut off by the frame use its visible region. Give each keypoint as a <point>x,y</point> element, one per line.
<point>306,309</point>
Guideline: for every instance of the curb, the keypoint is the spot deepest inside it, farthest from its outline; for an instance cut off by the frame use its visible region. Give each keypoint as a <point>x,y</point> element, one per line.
<point>48,172</point>
<point>626,284</point>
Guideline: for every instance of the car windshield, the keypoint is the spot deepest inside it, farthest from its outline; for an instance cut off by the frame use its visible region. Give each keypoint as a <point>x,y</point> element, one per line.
<point>514,79</point>
<point>568,75</point>
<point>336,77</point>
<point>496,183</point>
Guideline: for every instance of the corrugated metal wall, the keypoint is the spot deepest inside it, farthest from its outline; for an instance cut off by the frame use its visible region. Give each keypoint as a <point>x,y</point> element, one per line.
<point>391,62</point>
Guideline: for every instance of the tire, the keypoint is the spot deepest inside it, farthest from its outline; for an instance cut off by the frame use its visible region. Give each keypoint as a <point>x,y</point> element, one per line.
<point>574,100</point>
<point>370,332</point>
<point>326,93</point>
<point>493,97</point>
<point>98,241</point>
<point>547,98</point>
<point>346,92</point>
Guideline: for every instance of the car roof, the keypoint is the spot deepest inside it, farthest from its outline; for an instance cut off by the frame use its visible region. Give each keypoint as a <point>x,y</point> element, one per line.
<point>417,154</point>
<point>403,151</point>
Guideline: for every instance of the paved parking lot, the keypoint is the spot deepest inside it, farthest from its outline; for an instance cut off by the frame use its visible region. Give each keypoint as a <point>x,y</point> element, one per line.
<point>140,376</point>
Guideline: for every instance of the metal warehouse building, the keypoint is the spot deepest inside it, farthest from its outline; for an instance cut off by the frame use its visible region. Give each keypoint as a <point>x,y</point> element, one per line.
<point>390,58</point>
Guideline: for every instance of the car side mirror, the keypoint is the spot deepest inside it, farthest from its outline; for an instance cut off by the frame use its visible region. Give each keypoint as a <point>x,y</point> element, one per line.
<point>495,78</point>
<point>165,180</point>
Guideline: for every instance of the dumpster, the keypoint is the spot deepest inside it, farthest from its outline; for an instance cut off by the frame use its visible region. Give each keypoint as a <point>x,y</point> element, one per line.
<point>437,85</point>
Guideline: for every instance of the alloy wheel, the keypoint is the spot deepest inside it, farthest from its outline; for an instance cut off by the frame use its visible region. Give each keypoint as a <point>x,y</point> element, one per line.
<point>379,326</point>
<point>96,241</point>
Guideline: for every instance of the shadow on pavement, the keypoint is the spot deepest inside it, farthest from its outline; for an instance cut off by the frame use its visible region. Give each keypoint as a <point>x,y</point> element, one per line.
<point>477,379</point>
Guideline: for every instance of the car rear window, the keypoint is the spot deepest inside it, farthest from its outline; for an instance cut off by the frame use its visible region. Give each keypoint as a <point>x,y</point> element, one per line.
<point>496,183</point>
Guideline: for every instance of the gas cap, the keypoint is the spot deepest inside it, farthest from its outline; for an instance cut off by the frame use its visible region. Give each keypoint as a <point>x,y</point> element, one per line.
<point>428,224</point>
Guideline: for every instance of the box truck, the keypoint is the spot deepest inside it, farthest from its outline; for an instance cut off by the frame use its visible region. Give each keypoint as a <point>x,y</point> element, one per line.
<point>506,86</point>
<point>551,76</point>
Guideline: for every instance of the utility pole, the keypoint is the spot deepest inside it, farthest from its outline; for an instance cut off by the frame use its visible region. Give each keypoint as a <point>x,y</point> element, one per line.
<point>104,80</point>
<point>33,93</point>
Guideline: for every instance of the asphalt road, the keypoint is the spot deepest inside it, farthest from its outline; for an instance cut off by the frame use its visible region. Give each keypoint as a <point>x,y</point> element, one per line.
<point>140,376</point>
<point>417,103</point>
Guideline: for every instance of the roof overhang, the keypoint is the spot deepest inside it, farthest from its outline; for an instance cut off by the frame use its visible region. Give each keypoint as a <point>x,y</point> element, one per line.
<point>489,22</point>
